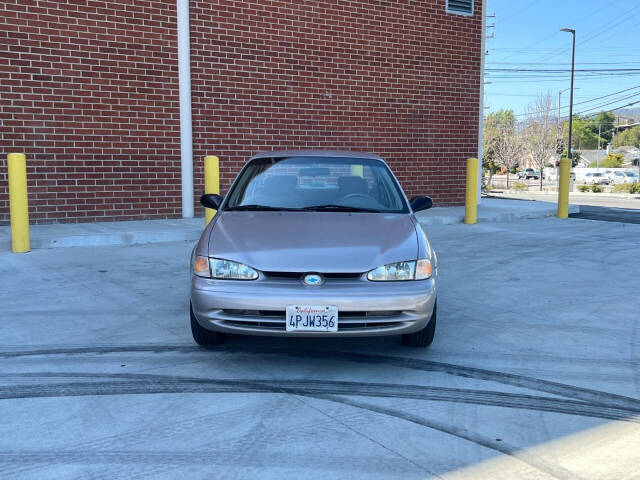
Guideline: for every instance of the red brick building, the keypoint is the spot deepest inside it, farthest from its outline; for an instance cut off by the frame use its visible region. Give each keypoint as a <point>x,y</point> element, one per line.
<point>89,91</point>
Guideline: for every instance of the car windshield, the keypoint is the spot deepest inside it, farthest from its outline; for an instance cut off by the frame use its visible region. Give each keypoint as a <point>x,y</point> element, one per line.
<point>631,174</point>
<point>317,183</point>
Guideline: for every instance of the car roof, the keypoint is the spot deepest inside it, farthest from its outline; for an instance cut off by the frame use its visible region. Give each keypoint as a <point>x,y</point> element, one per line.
<point>316,153</point>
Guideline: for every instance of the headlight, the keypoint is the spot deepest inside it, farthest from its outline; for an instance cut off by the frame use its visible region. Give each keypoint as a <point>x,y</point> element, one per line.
<point>223,269</point>
<point>401,271</point>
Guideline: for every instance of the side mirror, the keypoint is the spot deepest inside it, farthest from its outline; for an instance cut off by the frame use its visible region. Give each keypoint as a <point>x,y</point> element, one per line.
<point>211,200</point>
<point>421,203</point>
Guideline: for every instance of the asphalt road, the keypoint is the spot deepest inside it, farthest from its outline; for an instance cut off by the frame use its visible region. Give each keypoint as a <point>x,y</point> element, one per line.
<point>607,214</point>
<point>625,206</point>
<point>534,372</point>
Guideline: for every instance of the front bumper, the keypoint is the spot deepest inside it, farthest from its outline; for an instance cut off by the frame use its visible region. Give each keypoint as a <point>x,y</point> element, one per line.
<point>364,308</point>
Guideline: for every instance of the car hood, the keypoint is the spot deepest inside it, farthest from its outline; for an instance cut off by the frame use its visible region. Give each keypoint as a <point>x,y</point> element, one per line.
<point>328,242</point>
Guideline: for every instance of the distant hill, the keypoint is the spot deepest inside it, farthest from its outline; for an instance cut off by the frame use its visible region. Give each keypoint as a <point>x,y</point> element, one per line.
<point>629,113</point>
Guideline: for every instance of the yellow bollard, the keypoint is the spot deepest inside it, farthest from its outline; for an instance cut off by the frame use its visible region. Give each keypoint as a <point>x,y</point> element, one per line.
<point>18,202</point>
<point>471,199</point>
<point>357,170</point>
<point>563,188</point>
<point>211,182</point>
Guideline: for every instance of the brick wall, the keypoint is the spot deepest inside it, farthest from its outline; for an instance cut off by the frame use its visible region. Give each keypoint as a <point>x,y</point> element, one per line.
<point>399,78</point>
<point>88,90</point>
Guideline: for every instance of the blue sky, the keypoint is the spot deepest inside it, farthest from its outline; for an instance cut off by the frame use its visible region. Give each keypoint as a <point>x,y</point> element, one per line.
<point>527,36</point>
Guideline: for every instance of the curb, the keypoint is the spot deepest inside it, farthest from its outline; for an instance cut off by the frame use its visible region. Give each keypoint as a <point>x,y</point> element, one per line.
<point>494,217</point>
<point>45,236</point>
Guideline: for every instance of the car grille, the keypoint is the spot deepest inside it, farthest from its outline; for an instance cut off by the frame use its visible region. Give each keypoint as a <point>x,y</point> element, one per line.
<point>275,319</point>
<point>346,275</point>
<point>341,328</point>
<point>281,313</point>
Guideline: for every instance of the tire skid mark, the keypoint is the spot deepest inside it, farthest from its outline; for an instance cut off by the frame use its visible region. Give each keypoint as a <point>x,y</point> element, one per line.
<point>145,384</point>
<point>337,463</point>
<point>133,437</point>
<point>531,383</point>
<point>530,459</point>
<point>616,407</point>
<point>173,430</point>
<point>104,349</point>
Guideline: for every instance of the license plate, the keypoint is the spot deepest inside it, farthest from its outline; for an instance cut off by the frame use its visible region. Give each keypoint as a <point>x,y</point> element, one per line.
<point>312,318</point>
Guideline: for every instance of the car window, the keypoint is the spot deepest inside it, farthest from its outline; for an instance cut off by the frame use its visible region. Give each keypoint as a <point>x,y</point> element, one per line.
<point>309,182</point>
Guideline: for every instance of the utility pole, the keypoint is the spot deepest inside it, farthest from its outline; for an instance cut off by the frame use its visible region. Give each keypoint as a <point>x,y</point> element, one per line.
<point>559,128</point>
<point>573,64</point>
<point>483,43</point>
<point>598,152</point>
<point>559,107</point>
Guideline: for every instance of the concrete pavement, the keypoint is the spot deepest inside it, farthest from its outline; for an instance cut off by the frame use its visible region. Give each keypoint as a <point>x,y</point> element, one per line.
<point>493,210</point>
<point>154,231</point>
<point>534,372</point>
<point>621,200</point>
<point>607,214</point>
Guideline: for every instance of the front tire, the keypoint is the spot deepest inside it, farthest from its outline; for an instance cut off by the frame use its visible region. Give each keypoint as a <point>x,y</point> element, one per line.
<point>204,336</point>
<point>424,337</point>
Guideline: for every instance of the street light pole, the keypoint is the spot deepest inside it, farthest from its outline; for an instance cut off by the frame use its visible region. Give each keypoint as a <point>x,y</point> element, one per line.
<point>560,129</point>
<point>559,106</point>
<point>598,152</point>
<point>573,59</point>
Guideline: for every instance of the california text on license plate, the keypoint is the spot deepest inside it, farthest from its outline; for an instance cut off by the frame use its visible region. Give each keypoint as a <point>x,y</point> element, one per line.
<point>312,318</point>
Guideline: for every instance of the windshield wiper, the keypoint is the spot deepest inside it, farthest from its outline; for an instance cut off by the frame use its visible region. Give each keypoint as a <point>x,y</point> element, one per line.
<point>339,208</point>
<point>255,207</point>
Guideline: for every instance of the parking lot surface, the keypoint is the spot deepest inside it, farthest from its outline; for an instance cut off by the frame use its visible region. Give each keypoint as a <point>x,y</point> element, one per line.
<point>534,371</point>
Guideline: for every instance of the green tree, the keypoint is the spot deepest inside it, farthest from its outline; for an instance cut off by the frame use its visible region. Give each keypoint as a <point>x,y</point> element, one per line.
<point>576,157</point>
<point>604,123</point>
<point>612,160</point>
<point>582,136</point>
<point>628,138</point>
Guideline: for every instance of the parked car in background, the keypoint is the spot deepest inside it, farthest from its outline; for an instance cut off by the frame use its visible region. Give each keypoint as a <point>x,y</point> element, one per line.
<point>632,176</point>
<point>528,173</point>
<point>553,175</point>
<point>618,177</point>
<point>596,178</point>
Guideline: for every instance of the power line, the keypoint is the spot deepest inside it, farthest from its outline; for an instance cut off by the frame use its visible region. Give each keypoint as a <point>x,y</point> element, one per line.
<point>541,81</point>
<point>610,110</point>
<point>550,78</point>
<point>586,101</point>
<point>609,95</point>
<point>518,12</point>
<point>564,63</point>
<point>592,108</point>
<point>550,49</point>
<point>563,70</point>
<point>547,37</point>
<point>603,29</point>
